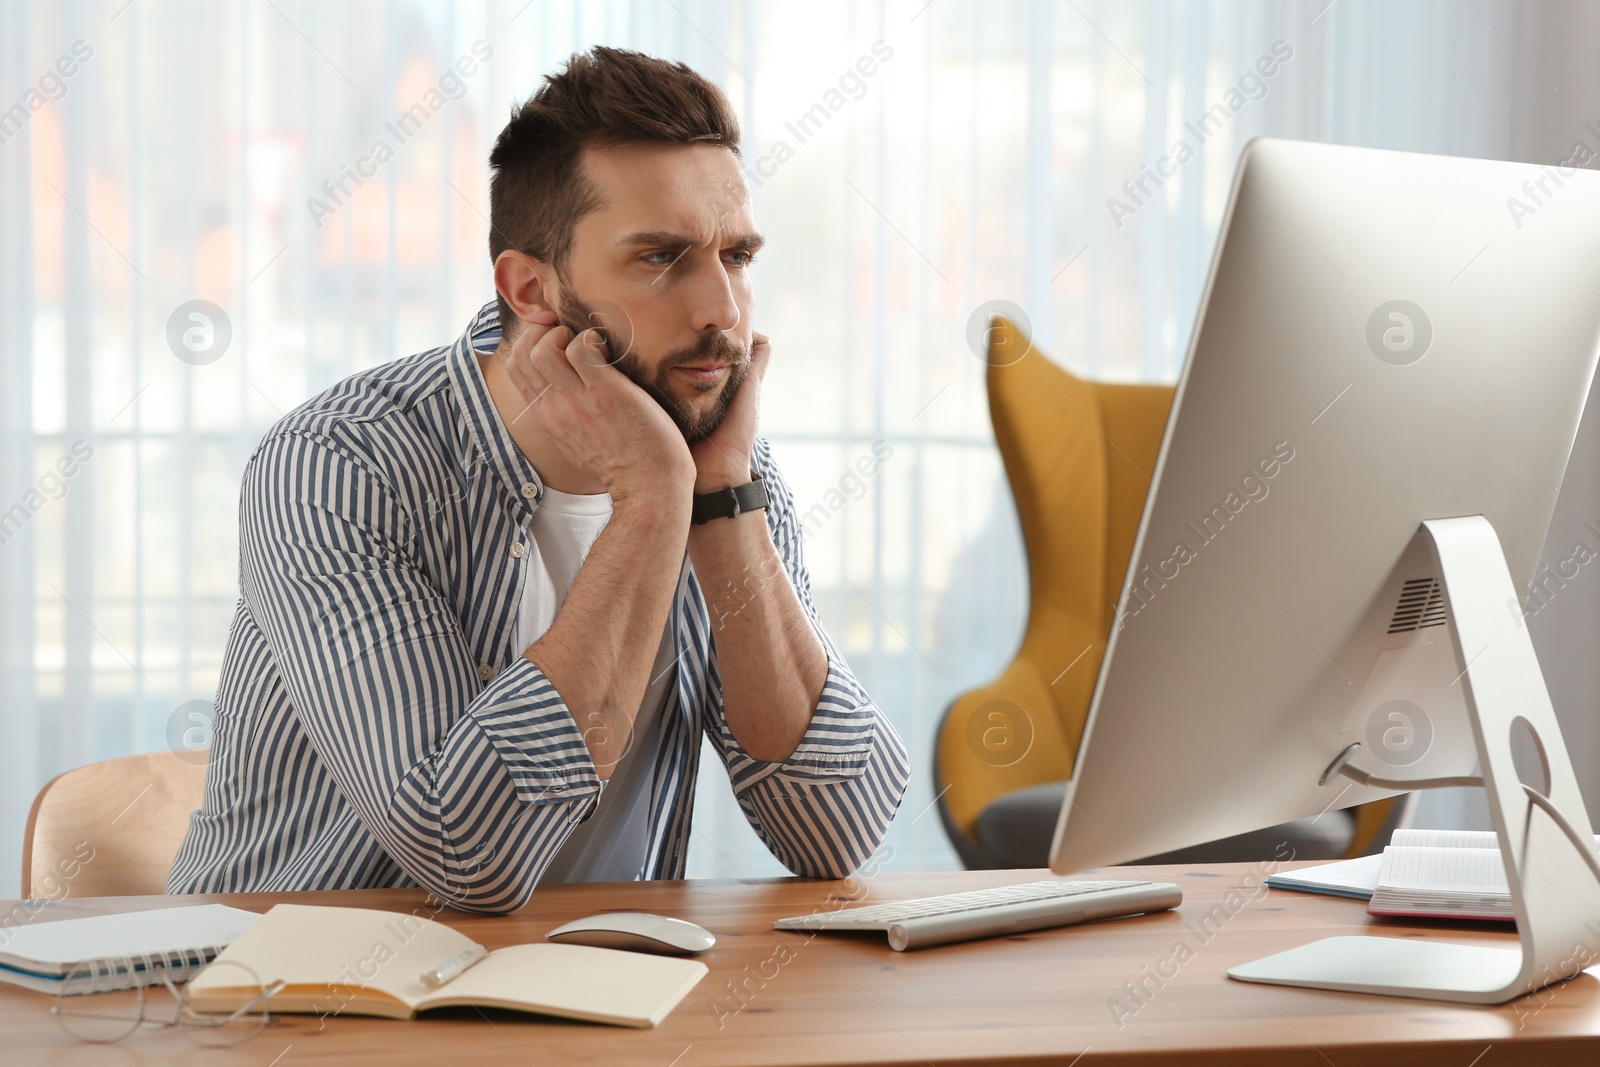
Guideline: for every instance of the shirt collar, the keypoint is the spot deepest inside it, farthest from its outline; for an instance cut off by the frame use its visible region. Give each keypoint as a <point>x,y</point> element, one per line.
<point>485,432</point>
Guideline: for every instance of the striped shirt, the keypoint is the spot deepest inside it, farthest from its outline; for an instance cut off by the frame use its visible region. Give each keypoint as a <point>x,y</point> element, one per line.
<point>377,724</point>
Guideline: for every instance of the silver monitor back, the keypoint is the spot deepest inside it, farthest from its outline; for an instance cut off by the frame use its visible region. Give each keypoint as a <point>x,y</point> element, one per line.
<point>1384,338</point>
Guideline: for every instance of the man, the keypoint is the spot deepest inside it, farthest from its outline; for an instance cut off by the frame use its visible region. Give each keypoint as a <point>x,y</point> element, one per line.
<point>492,594</point>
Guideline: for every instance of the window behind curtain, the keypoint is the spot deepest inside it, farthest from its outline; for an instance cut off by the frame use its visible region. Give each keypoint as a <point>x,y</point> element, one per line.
<point>315,174</point>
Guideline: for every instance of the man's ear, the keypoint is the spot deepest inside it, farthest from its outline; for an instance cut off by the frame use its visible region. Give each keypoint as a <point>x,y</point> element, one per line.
<point>527,285</point>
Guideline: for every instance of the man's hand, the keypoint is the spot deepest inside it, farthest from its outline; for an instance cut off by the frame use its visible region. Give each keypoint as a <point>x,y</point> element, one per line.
<point>599,419</point>
<point>723,459</point>
<point>771,664</point>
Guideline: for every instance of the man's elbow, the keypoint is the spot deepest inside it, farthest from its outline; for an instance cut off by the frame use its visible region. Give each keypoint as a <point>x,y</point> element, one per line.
<point>485,892</point>
<point>480,904</point>
<point>863,858</point>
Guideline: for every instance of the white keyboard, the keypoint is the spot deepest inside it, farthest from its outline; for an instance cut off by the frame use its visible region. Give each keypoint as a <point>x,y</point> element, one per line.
<point>1006,909</point>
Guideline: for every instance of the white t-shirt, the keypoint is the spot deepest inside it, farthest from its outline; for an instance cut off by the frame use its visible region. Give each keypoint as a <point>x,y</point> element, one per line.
<point>609,846</point>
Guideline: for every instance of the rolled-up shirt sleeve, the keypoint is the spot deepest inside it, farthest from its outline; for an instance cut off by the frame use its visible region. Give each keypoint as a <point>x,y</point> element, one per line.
<point>825,809</point>
<point>472,787</point>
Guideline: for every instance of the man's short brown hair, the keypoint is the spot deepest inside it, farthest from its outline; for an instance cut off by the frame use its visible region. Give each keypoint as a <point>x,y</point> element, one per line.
<point>604,97</point>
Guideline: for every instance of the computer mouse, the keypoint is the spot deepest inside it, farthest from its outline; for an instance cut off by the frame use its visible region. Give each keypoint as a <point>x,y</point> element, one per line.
<point>636,931</point>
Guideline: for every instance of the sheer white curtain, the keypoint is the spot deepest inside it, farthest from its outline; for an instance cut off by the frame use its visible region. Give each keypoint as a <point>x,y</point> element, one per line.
<point>315,173</point>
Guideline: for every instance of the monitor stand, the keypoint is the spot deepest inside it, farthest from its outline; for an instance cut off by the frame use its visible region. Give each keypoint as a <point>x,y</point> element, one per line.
<point>1545,838</point>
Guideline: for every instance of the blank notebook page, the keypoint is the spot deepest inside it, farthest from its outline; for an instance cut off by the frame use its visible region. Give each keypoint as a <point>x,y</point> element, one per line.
<point>601,984</point>
<point>306,945</point>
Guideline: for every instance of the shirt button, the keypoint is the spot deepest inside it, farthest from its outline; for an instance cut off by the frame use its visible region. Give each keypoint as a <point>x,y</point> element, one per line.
<point>518,550</point>
<point>485,671</point>
<point>530,490</point>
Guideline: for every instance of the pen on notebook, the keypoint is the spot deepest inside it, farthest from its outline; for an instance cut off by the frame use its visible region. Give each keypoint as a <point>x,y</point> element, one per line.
<point>453,966</point>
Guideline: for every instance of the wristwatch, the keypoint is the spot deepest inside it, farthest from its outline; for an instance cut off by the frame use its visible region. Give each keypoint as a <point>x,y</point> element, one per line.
<point>730,502</point>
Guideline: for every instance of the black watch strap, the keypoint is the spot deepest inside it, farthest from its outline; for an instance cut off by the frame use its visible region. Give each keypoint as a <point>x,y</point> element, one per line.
<point>727,503</point>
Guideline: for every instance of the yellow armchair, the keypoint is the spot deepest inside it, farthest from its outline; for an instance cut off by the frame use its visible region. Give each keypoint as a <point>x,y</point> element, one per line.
<point>1080,456</point>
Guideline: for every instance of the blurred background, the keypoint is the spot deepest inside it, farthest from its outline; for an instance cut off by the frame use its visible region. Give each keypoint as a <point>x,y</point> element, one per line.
<point>253,154</point>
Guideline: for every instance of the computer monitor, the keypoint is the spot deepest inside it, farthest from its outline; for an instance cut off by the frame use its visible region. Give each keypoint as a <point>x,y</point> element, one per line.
<point>1385,339</point>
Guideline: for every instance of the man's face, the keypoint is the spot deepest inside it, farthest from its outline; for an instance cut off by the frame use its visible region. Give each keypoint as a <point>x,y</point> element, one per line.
<point>663,267</point>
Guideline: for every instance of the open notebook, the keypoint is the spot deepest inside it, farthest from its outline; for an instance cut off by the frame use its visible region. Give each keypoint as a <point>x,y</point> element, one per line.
<point>1446,874</point>
<point>361,962</point>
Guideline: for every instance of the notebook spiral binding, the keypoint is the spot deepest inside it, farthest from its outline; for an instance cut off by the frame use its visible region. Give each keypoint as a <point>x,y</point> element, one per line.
<point>114,973</point>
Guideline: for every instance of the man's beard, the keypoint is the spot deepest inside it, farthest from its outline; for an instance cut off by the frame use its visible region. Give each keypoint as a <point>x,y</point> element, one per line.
<point>716,347</point>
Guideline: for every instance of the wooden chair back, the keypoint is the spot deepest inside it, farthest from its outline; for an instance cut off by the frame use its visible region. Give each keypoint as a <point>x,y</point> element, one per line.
<point>111,828</point>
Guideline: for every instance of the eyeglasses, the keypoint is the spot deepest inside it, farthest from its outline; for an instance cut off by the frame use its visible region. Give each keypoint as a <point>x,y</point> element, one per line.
<point>105,1001</point>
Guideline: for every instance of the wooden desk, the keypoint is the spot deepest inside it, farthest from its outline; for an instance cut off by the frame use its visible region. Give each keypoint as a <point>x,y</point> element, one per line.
<point>781,998</point>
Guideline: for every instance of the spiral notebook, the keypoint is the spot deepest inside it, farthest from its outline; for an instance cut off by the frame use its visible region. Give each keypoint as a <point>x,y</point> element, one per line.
<point>41,954</point>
